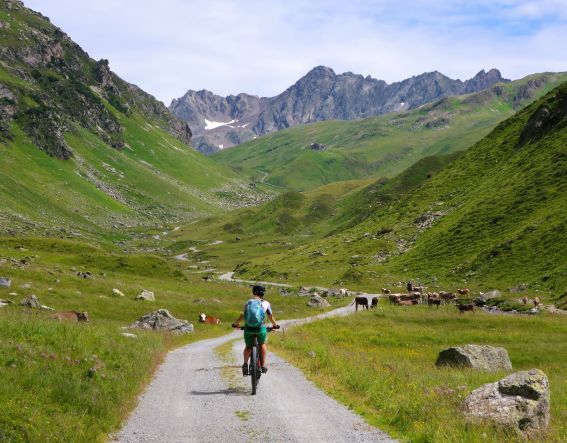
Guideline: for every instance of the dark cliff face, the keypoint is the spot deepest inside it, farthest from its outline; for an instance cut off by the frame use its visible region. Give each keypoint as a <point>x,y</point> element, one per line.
<point>320,95</point>
<point>60,86</point>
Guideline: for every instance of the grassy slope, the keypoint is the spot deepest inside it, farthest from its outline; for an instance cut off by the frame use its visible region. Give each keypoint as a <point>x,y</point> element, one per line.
<point>46,394</point>
<point>383,145</point>
<point>502,209</point>
<point>125,167</point>
<point>382,364</point>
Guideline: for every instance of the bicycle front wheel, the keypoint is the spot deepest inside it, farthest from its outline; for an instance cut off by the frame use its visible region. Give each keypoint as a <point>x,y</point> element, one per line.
<point>254,369</point>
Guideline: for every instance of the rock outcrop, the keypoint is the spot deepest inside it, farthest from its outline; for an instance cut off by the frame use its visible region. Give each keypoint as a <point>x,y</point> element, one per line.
<point>222,122</point>
<point>163,320</point>
<point>519,401</point>
<point>486,358</point>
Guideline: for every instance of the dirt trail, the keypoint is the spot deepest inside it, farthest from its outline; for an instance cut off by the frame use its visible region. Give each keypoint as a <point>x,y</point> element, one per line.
<point>198,395</point>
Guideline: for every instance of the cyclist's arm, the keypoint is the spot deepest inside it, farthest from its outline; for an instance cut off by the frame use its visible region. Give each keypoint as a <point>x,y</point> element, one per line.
<point>237,322</point>
<point>272,319</point>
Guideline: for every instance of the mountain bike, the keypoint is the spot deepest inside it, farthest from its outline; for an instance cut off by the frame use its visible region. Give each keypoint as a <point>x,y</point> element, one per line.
<point>255,366</point>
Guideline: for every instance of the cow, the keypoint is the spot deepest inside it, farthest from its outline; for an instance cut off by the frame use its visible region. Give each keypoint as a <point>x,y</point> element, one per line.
<point>536,301</point>
<point>394,298</point>
<point>447,297</point>
<point>362,301</point>
<point>343,292</point>
<point>433,299</point>
<point>525,299</point>
<point>465,307</point>
<point>203,318</point>
<point>374,303</point>
<point>407,302</point>
<point>464,291</point>
<point>385,291</point>
<point>72,316</point>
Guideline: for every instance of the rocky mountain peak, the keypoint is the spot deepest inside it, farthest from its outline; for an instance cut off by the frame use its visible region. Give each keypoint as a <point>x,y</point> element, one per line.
<point>321,94</point>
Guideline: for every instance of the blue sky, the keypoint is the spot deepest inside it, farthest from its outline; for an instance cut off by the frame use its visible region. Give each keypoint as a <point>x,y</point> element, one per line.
<point>263,46</point>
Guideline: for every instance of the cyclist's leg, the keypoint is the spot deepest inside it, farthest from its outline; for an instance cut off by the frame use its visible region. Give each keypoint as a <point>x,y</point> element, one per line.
<point>262,339</point>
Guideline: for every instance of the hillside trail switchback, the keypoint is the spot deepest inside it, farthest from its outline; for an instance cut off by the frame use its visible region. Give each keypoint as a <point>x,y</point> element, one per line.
<point>200,395</point>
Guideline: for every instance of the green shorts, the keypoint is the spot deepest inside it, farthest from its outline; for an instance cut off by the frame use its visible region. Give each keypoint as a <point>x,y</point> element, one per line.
<point>262,334</point>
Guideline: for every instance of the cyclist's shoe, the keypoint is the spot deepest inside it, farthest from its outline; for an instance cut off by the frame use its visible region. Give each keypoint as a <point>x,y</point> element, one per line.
<point>264,369</point>
<point>245,369</point>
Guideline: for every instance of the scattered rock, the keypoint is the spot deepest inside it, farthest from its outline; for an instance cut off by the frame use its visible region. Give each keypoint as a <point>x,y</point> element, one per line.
<point>495,293</point>
<point>318,302</point>
<point>46,308</point>
<point>311,354</point>
<point>522,287</point>
<point>128,334</point>
<point>520,401</point>
<point>117,293</point>
<point>84,274</point>
<point>30,302</point>
<point>13,294</point>
<point>163,320</point>
<point>5,282</point>
<point>486,358</point>
<point>26,286</point>
<point>146,295</point>
<point>5,302</point>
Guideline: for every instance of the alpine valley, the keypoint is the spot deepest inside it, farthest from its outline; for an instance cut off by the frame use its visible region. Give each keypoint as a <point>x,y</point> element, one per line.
<point>116,208</point>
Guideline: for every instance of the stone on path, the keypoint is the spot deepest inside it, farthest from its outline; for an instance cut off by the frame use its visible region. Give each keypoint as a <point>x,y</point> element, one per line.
<point>5,282</point>
<point>486,358</point>
<point>30,302</point>
<point>318,302</point>
<point>520,401</point>
<point>146,295</point>
<point>163,320</point>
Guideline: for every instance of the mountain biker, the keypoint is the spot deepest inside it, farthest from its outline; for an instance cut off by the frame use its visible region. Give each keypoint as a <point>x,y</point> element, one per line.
<point>254,314</point>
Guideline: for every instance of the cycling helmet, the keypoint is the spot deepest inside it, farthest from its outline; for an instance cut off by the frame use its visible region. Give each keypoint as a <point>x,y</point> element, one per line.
<point>258,290</point>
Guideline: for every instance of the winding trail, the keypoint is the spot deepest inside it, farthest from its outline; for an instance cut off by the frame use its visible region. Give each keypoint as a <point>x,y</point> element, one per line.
<point>199,395</point>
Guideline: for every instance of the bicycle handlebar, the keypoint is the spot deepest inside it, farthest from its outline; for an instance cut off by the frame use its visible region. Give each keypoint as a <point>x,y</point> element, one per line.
<point>269,328</point>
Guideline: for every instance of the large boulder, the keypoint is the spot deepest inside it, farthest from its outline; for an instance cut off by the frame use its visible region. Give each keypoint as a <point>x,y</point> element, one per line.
<point>486,358</point>
<point>31,302</point>
<point>318,302</point>
<point>146,295</point>
<point>519,401</point>
<point>5,282</point>
<point>163,320</point>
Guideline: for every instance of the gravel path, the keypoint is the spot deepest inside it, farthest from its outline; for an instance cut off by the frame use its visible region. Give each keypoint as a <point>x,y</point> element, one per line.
<point>199,396</point>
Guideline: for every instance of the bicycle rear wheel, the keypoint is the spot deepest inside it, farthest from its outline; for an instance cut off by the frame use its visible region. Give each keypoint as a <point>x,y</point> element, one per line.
<point>254,375</point>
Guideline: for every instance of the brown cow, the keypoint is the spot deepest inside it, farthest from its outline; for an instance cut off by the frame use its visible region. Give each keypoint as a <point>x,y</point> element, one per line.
<point>385,291</point>
<point>536,301</point>
<point>374,303</point>
<point>465,307</point>
<point>525,299</point>
<point>394,298</point>
<point>203,318</point>
<point>408,302</point>
<point>72,316</point>
<point>433,301</point>
<point>362,301</point>
<point>447,297</point>
<point>464,291</point>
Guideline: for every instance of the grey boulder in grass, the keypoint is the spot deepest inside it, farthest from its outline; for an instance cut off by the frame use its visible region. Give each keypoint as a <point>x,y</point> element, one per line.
<point>146,296</point>
<point>164,321</point>
<point>318,302</point>
<point>519,401</point>
<point>5,282</point>
<point>31,302</point>
<point>483,357</point>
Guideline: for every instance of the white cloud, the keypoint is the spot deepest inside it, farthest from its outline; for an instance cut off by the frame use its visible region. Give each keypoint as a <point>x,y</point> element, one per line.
<point>262,47</point>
